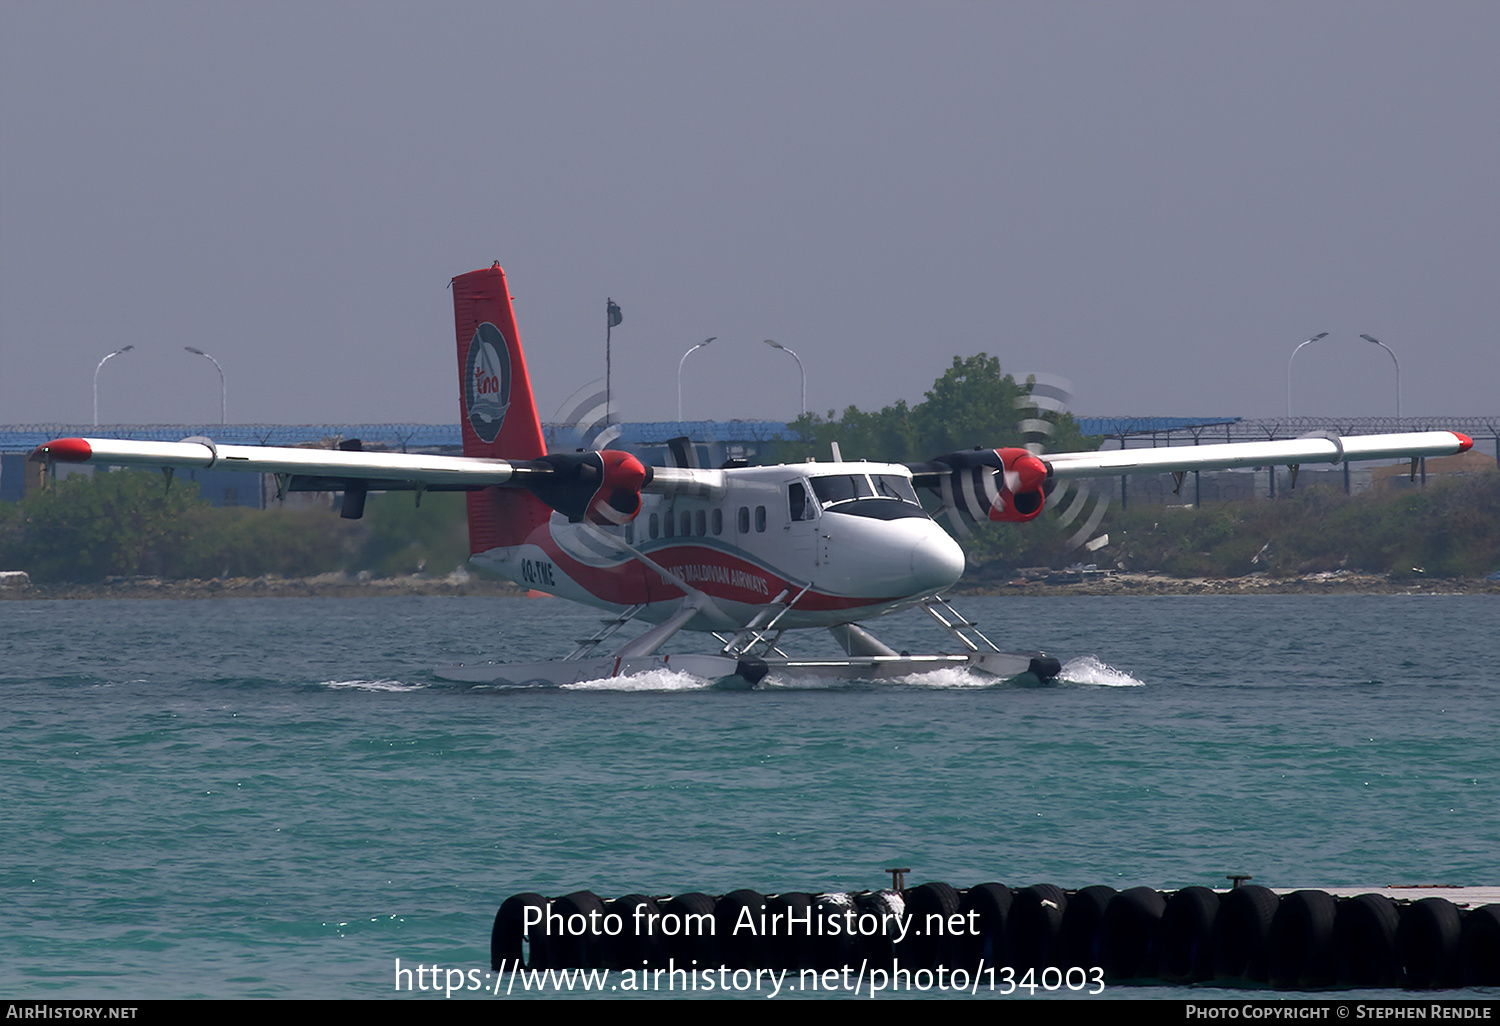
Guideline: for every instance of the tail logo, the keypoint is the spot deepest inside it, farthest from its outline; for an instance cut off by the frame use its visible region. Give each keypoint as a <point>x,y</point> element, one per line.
<point>487,381</point>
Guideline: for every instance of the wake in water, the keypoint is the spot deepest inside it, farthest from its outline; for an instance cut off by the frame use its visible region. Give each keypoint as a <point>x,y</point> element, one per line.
<point>1090,670</point>
<point>651,680</point>
<point>948,678</point>
<point>1087,670</point>
<point>373,685</point>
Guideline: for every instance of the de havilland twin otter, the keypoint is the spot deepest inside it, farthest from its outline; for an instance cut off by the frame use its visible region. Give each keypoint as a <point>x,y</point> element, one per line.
<point>746,553</point>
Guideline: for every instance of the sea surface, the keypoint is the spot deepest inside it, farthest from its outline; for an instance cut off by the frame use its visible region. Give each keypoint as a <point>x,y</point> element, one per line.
<point>278,797</point>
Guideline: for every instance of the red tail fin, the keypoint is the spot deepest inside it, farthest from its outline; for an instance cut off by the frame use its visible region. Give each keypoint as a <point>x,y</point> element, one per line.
<point>499,414</point>
<point>498,411</point>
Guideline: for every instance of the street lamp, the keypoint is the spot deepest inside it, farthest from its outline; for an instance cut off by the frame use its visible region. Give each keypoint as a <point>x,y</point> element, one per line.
<point>223,393</point>
<point>117,352</point>
<point>1289,371</point>
<point>680,362</point>
<point>794,356</point>
<point>1397,362</point>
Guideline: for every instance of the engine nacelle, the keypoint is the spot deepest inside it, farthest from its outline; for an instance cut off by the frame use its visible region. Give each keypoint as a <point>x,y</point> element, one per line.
<point>1001,485</point>
<point>600,487</point>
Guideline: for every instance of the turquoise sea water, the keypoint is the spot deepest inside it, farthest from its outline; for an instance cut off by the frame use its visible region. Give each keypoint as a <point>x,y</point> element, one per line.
<point>278,798</point>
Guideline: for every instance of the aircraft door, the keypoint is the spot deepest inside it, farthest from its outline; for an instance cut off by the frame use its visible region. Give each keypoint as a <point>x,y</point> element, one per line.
<point>802,525</point>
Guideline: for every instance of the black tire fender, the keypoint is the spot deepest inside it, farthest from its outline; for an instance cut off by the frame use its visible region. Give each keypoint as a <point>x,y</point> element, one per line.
<point>741,948</point>
<point>510,945</point>
<point>1364,942</point>
<point>879,948</point>
<point>930,905</point>
<point>834,946</point>
<point>1128,934</point>
<point>634,948</point>
<point>1479,948</point>
<point>990,902</point>
<point>1080,925</point>
<point>1301,941</point>
<point>1242,932</point>
<point>1033,929</point>
<point>1428,940</point>
<point>791,946</point>
<point>570,949</point>
<point>1187,930</point>
<point>694,931</point>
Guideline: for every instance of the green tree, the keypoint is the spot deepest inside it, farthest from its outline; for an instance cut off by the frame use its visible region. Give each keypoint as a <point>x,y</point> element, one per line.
<point>86,528</point>
<point>237,541</point>
<point>971,404</point>
<point>1448,529</point>
<point>404,538</point>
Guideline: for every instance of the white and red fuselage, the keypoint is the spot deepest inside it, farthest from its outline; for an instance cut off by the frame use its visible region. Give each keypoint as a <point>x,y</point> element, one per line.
<point>850,538</point>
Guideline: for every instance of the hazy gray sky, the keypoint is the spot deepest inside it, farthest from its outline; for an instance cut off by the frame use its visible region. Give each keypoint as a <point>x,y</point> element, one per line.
<point>1155,200</point>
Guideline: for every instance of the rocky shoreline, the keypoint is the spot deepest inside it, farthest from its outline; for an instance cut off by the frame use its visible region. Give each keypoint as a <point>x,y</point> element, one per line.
<point>332,585</point>
<point>1338,582</point>
<point>341,585</point>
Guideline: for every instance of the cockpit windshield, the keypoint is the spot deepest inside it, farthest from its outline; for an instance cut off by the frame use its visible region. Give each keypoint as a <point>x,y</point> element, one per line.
<point>868,495</point>
<point>893,486</point>
<point>832,490</point>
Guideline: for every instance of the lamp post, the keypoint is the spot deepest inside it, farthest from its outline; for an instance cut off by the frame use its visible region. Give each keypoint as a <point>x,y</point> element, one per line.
<point>1289,370</point>
<point>1397,362</point>
<point>680,362</point>
<point>223,392</point>
<point>117,352</point>
<point>777,345</point>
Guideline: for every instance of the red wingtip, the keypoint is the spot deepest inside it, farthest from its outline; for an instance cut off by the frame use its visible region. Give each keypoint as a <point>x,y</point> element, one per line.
<point>1465,443</point>
<point>66,450</point>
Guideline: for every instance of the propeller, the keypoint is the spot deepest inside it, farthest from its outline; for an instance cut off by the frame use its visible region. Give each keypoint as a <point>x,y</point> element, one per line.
<point>1053,394</point>
<point>988,485</point>
<point>596,483</point>
<point>587,416</point>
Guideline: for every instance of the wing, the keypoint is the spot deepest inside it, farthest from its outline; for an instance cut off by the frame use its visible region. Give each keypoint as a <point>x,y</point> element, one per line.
<point>1011,485</point>
<point>603,486</point>
<point>1226,455</point>
<point>412,469</point>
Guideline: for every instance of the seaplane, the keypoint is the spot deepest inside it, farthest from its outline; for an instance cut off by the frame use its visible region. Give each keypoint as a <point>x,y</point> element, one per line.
<point>743,553</point>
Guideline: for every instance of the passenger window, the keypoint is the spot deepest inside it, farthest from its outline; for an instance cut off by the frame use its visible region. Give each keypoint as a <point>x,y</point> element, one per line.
<point>700,519</point>
<point>687,524</point>
<point>760,519</point>
<point>744,520</point>
<point>718,522</point>
<point>655,526</point>
<point>666,523</point>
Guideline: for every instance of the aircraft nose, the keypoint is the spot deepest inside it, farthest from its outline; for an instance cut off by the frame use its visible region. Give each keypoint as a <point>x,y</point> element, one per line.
<point>937,561</point>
